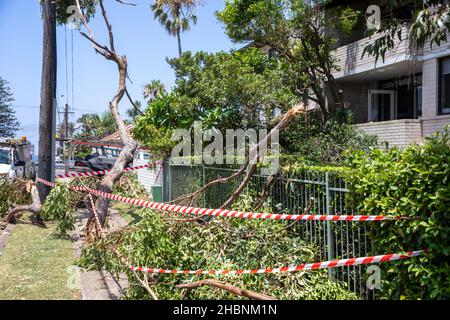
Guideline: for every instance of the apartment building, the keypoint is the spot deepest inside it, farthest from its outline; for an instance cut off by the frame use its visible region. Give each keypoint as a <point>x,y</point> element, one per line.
<point>402,99</point>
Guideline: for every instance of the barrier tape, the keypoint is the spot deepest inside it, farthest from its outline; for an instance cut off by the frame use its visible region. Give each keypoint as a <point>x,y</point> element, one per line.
<point>102,172</point>
<point>219,212</point>
<point>227,213</point>
<point>159,172</point>
<point>96,218</point>
<point>302,267</point>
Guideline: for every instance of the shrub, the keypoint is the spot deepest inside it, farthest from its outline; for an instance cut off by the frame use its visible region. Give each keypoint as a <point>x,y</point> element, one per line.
<point>12,193</point>
<point>57,208</point>
<point>317,143</point>
<point>61,203</point>
<point>129,186</point>
<point>413,183</point>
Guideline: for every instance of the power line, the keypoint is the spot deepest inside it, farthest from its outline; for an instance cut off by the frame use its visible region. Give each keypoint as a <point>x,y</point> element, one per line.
<point>73,86</point>
<point>66,65</point>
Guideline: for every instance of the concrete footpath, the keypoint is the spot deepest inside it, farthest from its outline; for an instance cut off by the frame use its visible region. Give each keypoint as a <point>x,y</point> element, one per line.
<point>98,285</point>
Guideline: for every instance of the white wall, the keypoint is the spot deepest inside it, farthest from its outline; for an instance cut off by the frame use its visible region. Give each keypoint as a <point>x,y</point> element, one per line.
<point>148,177</point>
<point>430,88</point>
<point>432,121</point>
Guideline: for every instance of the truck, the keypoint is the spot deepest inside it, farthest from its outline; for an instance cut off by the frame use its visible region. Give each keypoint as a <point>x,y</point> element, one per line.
<point>15,159</point>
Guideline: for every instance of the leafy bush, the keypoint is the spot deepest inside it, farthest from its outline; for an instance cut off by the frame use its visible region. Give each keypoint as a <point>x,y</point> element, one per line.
<point>317,143</point>
<point>61,203</point>
<point>222,244</point>
<point>413,183</point>
<point>57,208</point>
<point>129,186</point>
<point>12,193</point>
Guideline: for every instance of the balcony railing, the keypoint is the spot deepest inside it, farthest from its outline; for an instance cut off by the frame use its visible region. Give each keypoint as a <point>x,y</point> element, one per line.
<point>350,60</point>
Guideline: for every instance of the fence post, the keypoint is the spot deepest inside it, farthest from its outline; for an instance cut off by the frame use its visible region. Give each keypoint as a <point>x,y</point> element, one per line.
<point>203,183</point>
<point>330,235</point>
<point>169,175</point>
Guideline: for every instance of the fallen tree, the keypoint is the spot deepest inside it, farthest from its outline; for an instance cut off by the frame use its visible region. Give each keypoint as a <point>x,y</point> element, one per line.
<point>130,145</point>
<point>222,244</point>
<point>35,207</point>
<point>251,162</point>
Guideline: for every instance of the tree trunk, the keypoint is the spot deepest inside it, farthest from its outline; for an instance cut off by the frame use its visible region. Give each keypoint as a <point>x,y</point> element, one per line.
<point>35,207</point>
<point>48,95</point>
<point>180,52</point>
<point>127,154</point>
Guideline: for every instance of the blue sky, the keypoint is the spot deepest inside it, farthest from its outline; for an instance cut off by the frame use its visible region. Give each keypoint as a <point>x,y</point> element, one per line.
<point>137,35</point>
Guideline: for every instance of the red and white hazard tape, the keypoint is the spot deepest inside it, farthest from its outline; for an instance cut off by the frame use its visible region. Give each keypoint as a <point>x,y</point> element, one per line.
<point>53,184</point>
<point>236,214</point>
<point>301,267</point>
<point>47,183</point>
<point>249,215</point>
<point>102,172</point>
<point>227,213</point>
<point>96,218</point>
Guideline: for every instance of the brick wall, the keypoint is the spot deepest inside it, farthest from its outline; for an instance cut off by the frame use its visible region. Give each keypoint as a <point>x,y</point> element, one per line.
<point>397,133</point>
<point>436,124</point>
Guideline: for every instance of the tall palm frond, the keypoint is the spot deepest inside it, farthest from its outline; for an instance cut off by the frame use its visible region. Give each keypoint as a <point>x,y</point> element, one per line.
<point>175,16</point>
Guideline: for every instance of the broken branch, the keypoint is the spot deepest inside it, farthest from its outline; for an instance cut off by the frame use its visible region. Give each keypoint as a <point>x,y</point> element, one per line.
<point>227,287</point>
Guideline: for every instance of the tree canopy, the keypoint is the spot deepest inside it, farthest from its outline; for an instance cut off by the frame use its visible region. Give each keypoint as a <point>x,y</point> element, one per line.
<point>223,90</point>
<point>8,121</point>
<point>295,30</point>
<point>95,126</point>
<point>66,9</point>
<point>427,22</point>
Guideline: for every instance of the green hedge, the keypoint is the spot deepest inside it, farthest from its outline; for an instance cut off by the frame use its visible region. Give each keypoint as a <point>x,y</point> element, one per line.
<point>414,183</point>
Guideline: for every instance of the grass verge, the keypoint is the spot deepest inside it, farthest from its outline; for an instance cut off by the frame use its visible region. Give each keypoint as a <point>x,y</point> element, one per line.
<point>36,265</point>
<point>131,214</point>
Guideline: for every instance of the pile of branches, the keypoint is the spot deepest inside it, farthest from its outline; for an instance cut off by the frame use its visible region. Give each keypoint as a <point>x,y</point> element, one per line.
<point>13,192</point>
<point>160,240</point>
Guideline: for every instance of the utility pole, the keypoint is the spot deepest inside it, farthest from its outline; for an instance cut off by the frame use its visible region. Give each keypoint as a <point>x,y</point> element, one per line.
<point>47,116</point>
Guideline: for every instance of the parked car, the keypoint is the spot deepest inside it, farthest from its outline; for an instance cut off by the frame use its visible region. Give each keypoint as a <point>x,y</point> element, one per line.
<point>59,164</point>
<point>96,162</point>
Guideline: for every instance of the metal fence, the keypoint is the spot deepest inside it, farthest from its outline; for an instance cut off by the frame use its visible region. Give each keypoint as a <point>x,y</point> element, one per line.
<point>323,192</point>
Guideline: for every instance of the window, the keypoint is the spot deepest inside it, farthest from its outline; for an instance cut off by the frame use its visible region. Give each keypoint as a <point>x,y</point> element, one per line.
<point>418,101</point>
<point>5,156</point>
<point>146,156</point>
<point>444,86</point>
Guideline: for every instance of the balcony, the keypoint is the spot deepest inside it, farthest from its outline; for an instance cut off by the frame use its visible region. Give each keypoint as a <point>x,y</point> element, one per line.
<point>350,61</point>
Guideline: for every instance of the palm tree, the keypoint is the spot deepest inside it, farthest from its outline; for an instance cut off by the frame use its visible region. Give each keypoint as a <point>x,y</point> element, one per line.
<point>89,123</point>
<point>175,16</point>
<point>153,89</point>
<point>133,112</point>
<point>94,126</point>
<point>61,130</point>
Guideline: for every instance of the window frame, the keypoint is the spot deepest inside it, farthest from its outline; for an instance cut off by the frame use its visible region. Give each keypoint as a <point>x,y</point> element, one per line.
<point>441,111</point>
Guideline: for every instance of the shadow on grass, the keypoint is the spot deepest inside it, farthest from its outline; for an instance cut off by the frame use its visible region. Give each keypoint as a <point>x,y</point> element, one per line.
<point>130,213</point>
